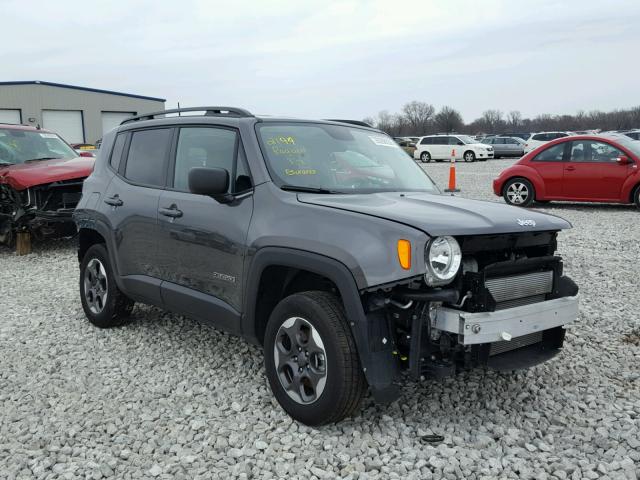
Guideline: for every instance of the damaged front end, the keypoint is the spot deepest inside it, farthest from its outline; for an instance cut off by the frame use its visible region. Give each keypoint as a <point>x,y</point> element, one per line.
<point>42,210</point>
<point>506,310</point>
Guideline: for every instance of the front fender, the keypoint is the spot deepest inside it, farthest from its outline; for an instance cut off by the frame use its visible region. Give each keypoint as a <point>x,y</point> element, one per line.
<point>378,367</point>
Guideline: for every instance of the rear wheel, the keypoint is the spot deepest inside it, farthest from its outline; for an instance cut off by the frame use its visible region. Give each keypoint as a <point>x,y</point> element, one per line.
<point>311,360</point>
<point>469,156</point>
<point>636,197</point>
<point>425,157</point>
<point>103,303</point>
<point>519,192</point>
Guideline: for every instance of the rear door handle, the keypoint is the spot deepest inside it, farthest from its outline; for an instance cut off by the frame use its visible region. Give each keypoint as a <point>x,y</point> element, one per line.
<point>570,169</point>
<point>171,212</point>
<point>114,201</point>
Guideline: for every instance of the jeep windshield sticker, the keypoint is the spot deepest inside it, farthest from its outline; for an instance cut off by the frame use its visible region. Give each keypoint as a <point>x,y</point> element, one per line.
<point>382,141</point>
<point>300,171</point>
<point>48,135</point>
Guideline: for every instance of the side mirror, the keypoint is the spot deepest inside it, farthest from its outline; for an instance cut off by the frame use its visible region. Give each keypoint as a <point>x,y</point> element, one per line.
<point>460,143</point>
<point>623,160</point>
<point>213,182</point>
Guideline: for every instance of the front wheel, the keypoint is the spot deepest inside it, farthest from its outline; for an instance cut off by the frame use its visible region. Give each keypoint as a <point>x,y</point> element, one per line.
<point>425,157</point>
<point>311,359</point>
<point>519,192</point>
<point>469,156</point>
<point>636,197</point>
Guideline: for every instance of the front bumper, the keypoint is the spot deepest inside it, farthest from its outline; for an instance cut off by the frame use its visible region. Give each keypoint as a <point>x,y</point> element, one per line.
<point>507,324</point>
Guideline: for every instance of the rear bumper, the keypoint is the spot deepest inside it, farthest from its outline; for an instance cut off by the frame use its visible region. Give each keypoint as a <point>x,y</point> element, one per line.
<point>507,324</point>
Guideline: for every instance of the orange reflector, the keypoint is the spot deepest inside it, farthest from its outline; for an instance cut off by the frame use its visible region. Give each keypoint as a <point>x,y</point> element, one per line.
<point>404,254</point>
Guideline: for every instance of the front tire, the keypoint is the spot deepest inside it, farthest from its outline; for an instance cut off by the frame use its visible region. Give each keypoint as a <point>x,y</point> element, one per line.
<point>311,359</point>
<point>636,197</point>
<point>519,192</point>
<point>103,303</point>
<point>425,157</point>
<point>469,156</point>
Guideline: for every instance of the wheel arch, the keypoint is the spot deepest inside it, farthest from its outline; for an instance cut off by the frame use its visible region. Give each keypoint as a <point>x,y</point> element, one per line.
<point>318,266</point>
<point>531,176</point>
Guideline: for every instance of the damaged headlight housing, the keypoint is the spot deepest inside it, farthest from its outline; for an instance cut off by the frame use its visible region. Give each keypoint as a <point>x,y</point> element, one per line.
<point>443,258</point>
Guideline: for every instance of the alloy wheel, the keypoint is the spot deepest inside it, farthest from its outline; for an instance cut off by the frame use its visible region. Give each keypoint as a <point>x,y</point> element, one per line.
<point>300,360</point>
<point>517,193</point>
<point>95,286</point>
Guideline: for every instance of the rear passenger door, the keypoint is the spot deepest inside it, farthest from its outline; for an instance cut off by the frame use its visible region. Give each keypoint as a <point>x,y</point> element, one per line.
<point>202,242</point>
<point>130,205</point>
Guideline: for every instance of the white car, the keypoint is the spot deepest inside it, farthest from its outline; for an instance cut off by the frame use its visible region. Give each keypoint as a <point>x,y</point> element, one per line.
<point>540,138</point>
<point>439,148</point>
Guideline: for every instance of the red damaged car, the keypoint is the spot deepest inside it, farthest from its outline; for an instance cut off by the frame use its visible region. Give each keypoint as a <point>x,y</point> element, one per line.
<point>40,182</point>
<point>584,168</point>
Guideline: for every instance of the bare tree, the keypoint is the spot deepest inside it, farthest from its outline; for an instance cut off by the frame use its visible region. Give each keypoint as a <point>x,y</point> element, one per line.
<point>417,116</point>
<point>514,119</point>
<point>492,120</point>
<point>449,120</point>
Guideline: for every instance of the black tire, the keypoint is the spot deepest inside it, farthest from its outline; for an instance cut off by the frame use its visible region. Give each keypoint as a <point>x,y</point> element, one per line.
<point>425,157</point>
<point>115,306</point>
<point>519,192</point>
<point>469,156</point>
<point>344,382</point>
<point>636,196</point>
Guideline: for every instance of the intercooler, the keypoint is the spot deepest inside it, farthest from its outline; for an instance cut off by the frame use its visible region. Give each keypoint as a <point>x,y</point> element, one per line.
<point>517,290</point>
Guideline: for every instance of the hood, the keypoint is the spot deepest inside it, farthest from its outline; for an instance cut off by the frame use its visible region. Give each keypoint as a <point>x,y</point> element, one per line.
<point>25,175</point>
<point>437,214</point>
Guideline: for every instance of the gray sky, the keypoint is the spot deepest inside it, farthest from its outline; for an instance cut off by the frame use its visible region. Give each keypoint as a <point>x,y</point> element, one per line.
<point>324,59</point>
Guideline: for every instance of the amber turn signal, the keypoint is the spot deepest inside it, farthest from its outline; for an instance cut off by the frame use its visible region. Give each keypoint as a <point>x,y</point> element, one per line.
<point>404,253</point>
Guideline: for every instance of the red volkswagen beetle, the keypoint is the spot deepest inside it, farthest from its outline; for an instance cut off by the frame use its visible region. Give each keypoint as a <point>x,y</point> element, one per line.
<point>584,168</point>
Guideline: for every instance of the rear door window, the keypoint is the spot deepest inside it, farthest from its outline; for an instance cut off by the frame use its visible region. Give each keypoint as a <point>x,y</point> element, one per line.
<point>148,155</point>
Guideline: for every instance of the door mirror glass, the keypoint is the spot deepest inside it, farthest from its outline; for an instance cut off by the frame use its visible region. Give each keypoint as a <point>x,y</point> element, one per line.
<point>209,181</point>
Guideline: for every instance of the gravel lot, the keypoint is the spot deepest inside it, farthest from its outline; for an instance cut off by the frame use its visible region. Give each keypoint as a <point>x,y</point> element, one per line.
<point>166,397</point>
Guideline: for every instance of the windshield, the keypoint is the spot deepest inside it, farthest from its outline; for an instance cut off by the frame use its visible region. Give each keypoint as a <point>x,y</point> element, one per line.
<point>338,159</point>
<point>18,146</point>
<point>633,145</point>
<point>467,139</point>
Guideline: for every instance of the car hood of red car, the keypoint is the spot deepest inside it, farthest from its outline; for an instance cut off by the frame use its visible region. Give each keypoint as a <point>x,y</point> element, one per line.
<point>40,172</point>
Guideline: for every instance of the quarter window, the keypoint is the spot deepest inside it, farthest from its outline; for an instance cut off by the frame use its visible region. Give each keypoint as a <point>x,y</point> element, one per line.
<point>553,154</point>
<point>147,158</point>
<point>426,141</point>
<point>116,153</point>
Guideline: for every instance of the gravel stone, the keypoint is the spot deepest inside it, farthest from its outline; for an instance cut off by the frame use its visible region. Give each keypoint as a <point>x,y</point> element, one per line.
<point>166,397</point>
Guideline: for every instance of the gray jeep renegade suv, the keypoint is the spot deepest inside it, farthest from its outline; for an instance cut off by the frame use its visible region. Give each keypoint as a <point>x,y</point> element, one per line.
<point>322,241</point>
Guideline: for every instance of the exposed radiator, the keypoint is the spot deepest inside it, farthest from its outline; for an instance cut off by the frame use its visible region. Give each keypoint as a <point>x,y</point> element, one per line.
<point>517,290</point>
<point>525,340</point>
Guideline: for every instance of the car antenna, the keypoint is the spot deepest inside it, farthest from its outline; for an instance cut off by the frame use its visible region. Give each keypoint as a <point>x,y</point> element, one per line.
<point>179,109</point>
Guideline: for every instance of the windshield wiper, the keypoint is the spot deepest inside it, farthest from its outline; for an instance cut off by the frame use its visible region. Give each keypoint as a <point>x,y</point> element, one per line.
<point>2,162</point>
<point>299,188</point>
<point>42,158</point>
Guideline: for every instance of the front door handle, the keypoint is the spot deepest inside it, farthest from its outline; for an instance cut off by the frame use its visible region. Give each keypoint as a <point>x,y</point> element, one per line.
<point>114,201</point>
<point>171,212</point>
<point>570,168</point>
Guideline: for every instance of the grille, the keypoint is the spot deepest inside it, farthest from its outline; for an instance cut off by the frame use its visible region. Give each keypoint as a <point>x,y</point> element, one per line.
<point>525,340</point>
<point>517,290</point>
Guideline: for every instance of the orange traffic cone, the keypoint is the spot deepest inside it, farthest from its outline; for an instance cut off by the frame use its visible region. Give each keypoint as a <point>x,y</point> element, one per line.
<point>452,173</point>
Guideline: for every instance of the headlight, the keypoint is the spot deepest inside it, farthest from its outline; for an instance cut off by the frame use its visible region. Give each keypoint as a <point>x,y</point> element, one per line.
<point>443,258</point>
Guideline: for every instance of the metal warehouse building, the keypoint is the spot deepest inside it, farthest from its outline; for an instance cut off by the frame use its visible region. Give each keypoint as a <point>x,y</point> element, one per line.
<point>77,114</point>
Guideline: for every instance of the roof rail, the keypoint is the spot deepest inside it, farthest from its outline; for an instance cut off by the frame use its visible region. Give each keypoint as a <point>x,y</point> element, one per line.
<point>351,122</point>
<point>208,111</point>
